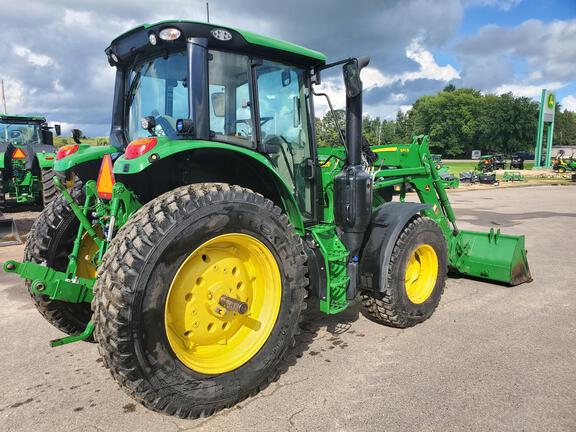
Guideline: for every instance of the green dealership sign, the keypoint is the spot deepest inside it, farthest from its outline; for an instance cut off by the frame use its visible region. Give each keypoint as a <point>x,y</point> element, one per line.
<point>546,118</point>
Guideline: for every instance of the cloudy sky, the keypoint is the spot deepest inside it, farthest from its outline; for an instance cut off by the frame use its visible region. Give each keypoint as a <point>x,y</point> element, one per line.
<point>53,62</point>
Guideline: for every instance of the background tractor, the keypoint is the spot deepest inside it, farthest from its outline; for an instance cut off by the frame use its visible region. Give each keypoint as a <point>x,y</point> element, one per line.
<point>26,160</point>
<point>563,164</point>
<point>517,161</point>
<point>488,163</point>
<point>186,248</point>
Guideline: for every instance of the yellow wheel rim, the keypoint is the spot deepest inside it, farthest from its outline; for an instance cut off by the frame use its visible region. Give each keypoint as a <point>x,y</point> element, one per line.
<point>421,273</point>
<point>206,336</point>
<point>85,266</point>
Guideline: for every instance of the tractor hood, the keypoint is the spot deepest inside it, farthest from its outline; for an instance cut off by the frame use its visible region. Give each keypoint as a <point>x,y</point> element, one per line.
<point>147,40</point>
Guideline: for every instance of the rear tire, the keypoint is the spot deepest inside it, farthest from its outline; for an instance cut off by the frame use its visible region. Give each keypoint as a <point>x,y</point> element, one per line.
<point>2,195</point>
<point>49,191</point>
<point>50,241</point>
<point>134,321</point>
<point>398,306</point>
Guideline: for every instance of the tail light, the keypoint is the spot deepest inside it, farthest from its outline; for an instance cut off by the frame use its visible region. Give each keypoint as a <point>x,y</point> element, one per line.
<point>139,146</point>
<point>105,182</point>
<point>66,150</point>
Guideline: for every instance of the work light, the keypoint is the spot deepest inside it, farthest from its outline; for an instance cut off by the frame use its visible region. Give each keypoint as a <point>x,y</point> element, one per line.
<point>169,34</point>
<point>184,126</point>
<point>152,38</point>
<point>148,123</point>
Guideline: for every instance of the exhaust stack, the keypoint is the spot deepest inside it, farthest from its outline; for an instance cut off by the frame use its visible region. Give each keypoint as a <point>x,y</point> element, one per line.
<point>353,185</point>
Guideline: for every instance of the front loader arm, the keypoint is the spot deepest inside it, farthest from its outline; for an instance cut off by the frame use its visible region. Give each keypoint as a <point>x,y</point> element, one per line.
<point>491,255</point>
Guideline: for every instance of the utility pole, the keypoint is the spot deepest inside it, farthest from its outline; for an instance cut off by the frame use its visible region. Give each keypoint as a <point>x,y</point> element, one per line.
<point>3,96</point>
<point>207,12</point>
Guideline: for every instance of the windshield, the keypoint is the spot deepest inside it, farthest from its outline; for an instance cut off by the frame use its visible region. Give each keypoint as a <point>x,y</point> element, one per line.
<point>158,88</point>
<point>19,133</point>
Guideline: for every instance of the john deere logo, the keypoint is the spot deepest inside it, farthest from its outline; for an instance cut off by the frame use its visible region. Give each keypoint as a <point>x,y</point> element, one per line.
<point>551,101</point>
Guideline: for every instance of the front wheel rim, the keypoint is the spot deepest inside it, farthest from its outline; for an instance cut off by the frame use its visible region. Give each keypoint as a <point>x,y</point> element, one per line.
<point>206,336</point>
<point>421,273</point>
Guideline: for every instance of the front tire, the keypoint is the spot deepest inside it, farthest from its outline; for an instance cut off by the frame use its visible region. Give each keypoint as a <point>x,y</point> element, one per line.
<point>162,332</point>
<point>416,277</point>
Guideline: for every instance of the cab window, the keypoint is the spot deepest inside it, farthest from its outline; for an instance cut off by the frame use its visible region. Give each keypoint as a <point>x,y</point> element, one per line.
<point>229,98</point>
<point>285,126</point>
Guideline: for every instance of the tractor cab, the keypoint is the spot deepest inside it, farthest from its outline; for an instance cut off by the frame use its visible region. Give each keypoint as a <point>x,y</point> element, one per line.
<point>196,85</point>
<point>22,131</point>
<point>26,157</point>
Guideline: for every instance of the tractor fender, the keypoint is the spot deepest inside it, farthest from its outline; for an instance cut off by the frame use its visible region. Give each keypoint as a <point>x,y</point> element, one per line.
<point>387,223</point>
<point>46,157</point>
<point>167,148</point>
<point>85,153</point>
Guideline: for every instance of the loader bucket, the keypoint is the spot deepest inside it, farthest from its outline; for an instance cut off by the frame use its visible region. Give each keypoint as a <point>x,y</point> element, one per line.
<point>8,231</point>
<point>492,256</point>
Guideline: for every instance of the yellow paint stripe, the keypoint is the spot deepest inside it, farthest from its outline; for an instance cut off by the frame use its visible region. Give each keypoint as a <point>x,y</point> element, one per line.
<point>385,149</point>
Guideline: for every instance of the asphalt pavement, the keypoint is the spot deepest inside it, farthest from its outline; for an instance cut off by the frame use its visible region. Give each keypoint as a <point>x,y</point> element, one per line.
<point>491,358</point>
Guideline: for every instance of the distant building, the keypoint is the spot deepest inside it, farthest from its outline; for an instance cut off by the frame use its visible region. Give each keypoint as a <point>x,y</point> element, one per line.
<point>568,150</point>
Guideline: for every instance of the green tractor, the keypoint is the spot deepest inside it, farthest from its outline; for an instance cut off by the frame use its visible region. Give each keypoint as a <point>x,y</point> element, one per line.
<point>26,159</point>
<point>187,247</point>
<point>563,164</point>
<point>489,163</point>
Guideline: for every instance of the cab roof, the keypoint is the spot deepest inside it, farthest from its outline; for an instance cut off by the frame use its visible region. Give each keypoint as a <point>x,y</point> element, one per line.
<point>21,119</point>
<point>242,40</point>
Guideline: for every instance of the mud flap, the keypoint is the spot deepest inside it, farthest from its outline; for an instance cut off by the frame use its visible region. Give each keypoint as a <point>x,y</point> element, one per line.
<point>8,231</point>
<point>494,256</point>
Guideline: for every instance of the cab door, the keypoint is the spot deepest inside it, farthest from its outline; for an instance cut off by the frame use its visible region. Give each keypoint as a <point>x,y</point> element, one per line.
<point>286,129</point>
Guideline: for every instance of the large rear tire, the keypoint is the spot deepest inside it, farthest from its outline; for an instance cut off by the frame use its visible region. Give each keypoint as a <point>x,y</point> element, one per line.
<point>416,277</point>
<point>159,319</point>
<point>49,191</point>
<point>2,194</point>
<point>50,241</point>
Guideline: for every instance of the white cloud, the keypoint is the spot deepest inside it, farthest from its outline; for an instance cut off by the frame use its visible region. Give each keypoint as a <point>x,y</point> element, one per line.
<point>32,57</point>
<point>428,67</point>
<point>535,75</point>
<point>57,86</point>
<point>13,93</point>
<point>569,103</point>
<point>398,97</point>
<point>372,78</point>
<point>74,18</point>
<point>528,90</point>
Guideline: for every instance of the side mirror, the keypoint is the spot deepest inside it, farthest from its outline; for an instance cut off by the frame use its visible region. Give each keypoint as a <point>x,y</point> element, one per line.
<point>76,135</point>
<point>58,129</point>
<point>218,104</point>
<point>315,76</point>
<point>351,72</point>
<point>286,78</point>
